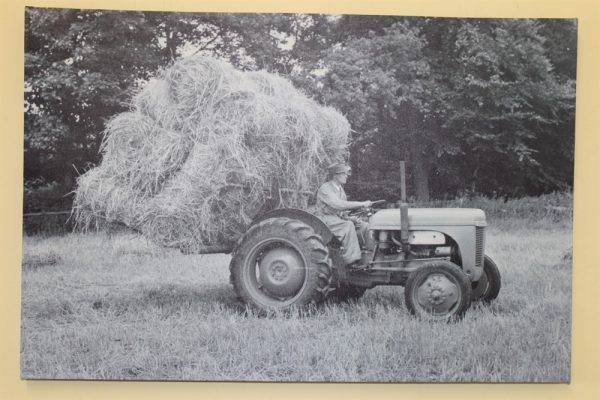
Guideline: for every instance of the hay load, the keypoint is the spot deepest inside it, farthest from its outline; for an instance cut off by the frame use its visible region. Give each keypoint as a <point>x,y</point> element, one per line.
<point>202,151</point>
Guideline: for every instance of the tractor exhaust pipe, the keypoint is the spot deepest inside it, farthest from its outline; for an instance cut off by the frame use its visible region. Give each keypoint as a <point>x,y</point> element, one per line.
<point>402,182</point>
<point>403,210</point>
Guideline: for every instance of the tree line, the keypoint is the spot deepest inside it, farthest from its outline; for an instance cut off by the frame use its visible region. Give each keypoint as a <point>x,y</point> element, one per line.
<point>480,106</point>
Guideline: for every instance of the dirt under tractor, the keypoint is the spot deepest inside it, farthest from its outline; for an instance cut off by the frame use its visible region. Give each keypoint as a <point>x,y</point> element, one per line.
<point>289,258</point>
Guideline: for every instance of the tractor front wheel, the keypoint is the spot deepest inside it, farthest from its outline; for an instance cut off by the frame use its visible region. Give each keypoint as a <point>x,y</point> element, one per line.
<point>438,290</point>
<point>281,263</point>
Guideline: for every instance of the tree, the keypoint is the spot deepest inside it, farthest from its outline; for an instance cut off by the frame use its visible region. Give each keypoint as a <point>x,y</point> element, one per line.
<point>482,105</point>
<point>479,105</point>
<point>83,66</point>
<point>80,67</point>
<point>382,83</point>
<point>504,102</point>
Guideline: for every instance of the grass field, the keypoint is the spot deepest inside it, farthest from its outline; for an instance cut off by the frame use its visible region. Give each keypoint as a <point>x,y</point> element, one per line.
<point>101,306</point>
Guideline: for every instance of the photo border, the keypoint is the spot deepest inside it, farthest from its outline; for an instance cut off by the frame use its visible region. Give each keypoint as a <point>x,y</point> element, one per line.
<point>585,356</point>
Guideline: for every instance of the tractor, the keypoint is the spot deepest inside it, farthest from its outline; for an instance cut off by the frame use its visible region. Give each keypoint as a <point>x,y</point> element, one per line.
<point>289,258</point>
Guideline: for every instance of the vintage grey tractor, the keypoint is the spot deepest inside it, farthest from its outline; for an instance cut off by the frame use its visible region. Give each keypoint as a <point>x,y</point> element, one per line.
<point>289,258</point>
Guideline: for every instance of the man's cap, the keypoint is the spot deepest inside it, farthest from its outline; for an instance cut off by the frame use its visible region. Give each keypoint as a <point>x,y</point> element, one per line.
<point>338,168</point>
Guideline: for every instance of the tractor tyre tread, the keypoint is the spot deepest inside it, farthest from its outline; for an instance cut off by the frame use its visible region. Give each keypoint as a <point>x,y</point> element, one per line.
<point>318,271</point>
<point>494,282</point>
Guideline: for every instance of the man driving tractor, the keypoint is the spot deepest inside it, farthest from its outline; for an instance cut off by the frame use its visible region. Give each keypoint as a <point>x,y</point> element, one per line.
<point>287,258</point>
<point>331,207</point>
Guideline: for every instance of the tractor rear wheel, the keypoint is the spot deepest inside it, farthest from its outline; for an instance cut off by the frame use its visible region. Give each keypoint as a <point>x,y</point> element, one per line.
<point>438,290</point>
<point>279,264</point>
<point>488,286</point>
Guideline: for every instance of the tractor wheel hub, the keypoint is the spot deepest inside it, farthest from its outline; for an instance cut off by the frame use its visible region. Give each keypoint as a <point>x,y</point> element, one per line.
<point>281,272</point>
<point>437,294</point>
<point>278,271</point>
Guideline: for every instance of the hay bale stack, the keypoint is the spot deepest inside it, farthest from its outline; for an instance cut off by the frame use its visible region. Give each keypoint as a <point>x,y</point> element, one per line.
<point>202,150</point>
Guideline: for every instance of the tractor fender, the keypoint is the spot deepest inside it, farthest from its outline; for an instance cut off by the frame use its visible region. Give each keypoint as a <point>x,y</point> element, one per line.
<point>310,219</point>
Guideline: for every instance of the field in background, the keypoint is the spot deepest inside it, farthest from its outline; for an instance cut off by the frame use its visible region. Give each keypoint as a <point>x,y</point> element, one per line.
<point>100,306</point>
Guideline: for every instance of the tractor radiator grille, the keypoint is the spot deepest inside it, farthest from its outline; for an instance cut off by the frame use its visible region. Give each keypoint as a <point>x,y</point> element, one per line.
<point>479,241</point>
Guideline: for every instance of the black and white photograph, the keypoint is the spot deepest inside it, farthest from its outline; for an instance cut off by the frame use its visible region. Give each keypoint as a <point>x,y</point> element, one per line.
<point>297,197</point>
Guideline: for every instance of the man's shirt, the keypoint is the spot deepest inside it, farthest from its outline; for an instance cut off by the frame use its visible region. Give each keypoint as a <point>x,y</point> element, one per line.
<point>332,200</point>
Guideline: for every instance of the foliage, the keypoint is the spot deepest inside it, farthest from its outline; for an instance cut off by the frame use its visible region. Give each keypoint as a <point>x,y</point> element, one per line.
<point>80,67</point>
<point>470,104</point>
<point>504,104</point>
<point>382,82</point>
<point>485,106</point>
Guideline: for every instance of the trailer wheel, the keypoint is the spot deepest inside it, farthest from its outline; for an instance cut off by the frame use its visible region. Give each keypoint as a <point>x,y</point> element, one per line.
<point>281,263</point>
<point>438,290</point>
<point>345,293</point>
<point>488,286</point>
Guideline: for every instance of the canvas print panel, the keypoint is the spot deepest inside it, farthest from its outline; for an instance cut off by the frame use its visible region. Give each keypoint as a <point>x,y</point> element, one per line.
<point>296,197</point>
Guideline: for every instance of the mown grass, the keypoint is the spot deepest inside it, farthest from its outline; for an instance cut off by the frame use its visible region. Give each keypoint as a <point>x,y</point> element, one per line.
<point>101,306</point>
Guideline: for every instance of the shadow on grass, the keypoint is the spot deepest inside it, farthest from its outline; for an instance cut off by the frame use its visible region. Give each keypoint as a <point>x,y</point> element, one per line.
<point>170,299</point>
<point>45,259</point>
<point>176,299</point>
